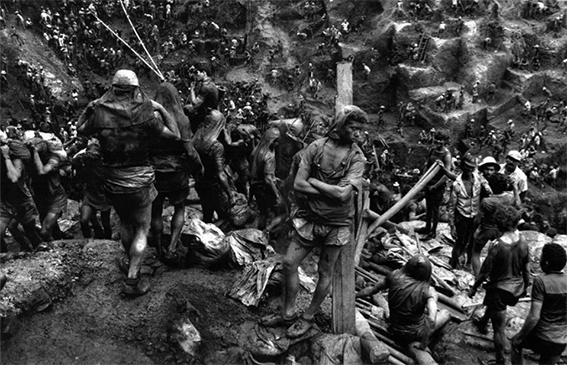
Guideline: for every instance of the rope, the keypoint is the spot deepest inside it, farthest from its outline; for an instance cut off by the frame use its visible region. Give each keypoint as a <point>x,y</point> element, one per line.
<point>126,44</point>
<point>140,39</point>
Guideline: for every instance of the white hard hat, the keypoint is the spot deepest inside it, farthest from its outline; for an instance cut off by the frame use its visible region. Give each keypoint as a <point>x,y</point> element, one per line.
<point>126,78</point>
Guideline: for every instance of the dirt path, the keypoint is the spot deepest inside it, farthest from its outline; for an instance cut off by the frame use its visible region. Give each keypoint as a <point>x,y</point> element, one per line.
<point>96,325</point>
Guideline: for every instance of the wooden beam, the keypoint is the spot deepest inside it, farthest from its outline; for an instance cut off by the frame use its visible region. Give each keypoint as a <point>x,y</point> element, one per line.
<point>343,277</point>
<point>344,85</point>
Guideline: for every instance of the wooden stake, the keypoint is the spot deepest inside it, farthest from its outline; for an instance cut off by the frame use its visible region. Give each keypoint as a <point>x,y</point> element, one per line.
<point>343,277</point>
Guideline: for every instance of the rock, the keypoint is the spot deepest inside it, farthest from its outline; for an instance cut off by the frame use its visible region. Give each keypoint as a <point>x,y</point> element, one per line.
<point>186,335</point>
<point>9,325</point>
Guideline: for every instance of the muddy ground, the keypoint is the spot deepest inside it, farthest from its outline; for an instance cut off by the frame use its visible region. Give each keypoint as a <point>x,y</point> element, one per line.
<point>80,316</point>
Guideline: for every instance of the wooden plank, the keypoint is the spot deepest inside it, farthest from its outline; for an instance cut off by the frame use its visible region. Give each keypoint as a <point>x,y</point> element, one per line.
<point>362,226</point>
<point>343,293</point>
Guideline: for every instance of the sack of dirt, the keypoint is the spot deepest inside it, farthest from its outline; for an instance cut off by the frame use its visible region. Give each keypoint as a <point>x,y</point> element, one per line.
<point>206,242</point>
<point>250,286</point>
<point>240,212</point>
<point>330,349</point>
<point>247,245</point>
<point>265,343</point>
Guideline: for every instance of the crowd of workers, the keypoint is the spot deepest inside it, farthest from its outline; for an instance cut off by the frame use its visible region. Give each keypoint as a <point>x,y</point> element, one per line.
<point>136,151</point>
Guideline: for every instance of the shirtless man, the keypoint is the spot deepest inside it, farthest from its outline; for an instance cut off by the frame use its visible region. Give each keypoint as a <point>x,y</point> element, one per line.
<point>329,170</point>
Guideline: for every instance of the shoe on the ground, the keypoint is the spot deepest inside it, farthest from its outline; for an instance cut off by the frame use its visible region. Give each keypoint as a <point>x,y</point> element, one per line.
<point>67,235</point>
<point>276,320</point>
<point>422,230</point>
<point>42,247</point>
<point>123,265</point>
<point>429,236</point>
<point>136,287</point>
<point>481,327</point>
<point>300,327</point>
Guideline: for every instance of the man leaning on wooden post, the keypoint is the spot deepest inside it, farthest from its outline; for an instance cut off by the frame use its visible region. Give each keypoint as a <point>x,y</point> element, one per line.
<point>329,170</point>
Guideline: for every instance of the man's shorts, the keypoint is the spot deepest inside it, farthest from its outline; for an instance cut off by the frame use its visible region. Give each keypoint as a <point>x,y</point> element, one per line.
<point>266,200</point>
<point>213,196</point>
<point>24,212</point>
<point>173,185</point>
<point>408,334</point>
<point>541,346</point>
<point>499,299</point>
<point>435,196</point>
<point>51,203</point>
<point>96,198</point>
<point>314,234</point>
<point>124,204</point>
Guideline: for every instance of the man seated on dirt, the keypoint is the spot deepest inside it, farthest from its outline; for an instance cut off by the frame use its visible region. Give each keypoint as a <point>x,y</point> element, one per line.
<point>16,202</point>
<point>511,168</point>
<point>506,268</point>
<point>203,96</point>
<point>463,207</point>
<point>415,321</point>
<point>545,329</point>
<point>123,121</point>
<point>436,187</point>
<point>329,170</point>
<point>173,161</point>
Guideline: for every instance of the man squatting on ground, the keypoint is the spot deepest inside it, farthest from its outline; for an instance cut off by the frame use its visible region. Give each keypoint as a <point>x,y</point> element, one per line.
<point>414,319</point>
<point>329,170</point>
<point>123,121</point>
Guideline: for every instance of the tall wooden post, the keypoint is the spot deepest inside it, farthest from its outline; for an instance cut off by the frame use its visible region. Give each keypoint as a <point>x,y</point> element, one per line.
<point>343,278</point>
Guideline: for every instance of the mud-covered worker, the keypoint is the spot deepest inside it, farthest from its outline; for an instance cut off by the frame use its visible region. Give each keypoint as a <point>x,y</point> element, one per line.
<point>415,321</point>
<point>203,96</point>
<point>545,329</point>
<point>213,188</point>
<point>436,187</point>
<point>124,122</point>
<point>512,169</point>
<point>49,195</point>
<point>463,207</point>
<point>487,229</point>
<point>329,170</point>
<point>87,166</point>
<point>173,162</point>
<point>507,272</point>
<point>16,201</point>
<point>263,178</point>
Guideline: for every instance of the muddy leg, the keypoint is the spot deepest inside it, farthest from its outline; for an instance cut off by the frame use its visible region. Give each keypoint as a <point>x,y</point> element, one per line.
<point>157,223</point>
<point>105,218</point>
<point>177,222</point>
<point>294,256</point>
